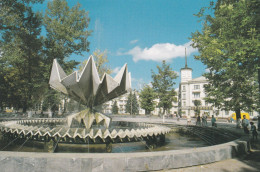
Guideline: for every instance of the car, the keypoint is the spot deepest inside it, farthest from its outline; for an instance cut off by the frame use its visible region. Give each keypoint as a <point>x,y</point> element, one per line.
<point>233,115</point>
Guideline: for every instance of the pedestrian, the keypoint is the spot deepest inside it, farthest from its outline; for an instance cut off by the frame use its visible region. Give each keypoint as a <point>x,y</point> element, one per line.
<point>254,132</point>
<point>245,124</point>
<point>204,120</point>
<point>188,120</point>
<point>198,120</point>
<point>213,121</point>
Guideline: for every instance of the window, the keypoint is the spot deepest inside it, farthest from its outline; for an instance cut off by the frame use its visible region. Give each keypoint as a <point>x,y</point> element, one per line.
<point>196,95</point>
<point>184,103</point>
<point>183,96</point>
<point>206,103</point>
<point>183,88</point>
<point>196,87</point>
<point>226,113</point>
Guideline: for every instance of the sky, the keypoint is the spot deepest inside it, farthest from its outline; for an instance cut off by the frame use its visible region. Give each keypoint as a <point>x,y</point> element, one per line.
<point>142,33</point>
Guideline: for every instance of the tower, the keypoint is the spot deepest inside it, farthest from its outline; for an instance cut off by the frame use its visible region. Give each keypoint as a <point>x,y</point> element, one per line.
<point>186,72</point>
<point>184,96</point>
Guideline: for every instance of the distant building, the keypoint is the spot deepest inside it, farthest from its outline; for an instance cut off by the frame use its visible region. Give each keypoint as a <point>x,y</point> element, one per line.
<point>122,100</point>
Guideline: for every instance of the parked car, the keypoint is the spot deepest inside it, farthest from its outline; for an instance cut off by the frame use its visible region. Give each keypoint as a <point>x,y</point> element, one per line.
<point>233,117</point>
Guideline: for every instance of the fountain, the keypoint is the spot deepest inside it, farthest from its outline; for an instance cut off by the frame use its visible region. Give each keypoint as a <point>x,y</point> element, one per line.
<point>91,128</point>
<point>87,126</point>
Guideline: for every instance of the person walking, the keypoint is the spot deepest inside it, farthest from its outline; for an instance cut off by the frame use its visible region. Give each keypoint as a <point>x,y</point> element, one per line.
<point>188,120</point>
<point>254,132</point>
<point>213,121</point>
<point>198,120</point>
<point>245,124</point>
<point>204,120</point>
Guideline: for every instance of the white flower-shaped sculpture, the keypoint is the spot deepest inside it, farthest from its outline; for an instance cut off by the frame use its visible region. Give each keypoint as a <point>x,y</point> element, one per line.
<point>86,86</point>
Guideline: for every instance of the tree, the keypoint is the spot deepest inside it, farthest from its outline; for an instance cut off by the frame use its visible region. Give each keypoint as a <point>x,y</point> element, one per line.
<point>163,85</point>
<point>66,30</point>
<point>229,46</point>
<point>132,105</point>
<point>66,35</point>
<point>3,85</point>
<point>115,108</point>
<point>21,46</point>
<point>147,96</point>
<point>197,104</point>
<point>26,55</point>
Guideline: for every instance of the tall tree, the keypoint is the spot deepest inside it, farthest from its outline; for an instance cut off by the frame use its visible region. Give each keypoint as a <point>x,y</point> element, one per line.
<point>66,35</point>
<point>229,45</point>
<point>115,108</point>
<point>147,96</point>
<point>66,31</point>
<point>3,85</point>
<point>163,83</point>
<point>132,105</point>
<point>21,49</point>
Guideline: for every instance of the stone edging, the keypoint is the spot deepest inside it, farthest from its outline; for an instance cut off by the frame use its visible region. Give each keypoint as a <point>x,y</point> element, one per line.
<point>141,161</point>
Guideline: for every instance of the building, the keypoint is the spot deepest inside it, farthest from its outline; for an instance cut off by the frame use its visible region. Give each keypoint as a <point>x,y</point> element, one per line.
<point>193,89</point>
<point>122,100</point>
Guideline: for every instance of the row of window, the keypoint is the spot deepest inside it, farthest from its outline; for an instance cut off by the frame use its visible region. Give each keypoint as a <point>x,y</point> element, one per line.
<point>194,95</point>
<point>195,87</point>
<point>184,103</point>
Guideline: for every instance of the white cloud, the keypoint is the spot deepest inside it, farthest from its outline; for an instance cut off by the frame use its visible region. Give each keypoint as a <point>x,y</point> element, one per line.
<point>134,41</point>
<point>116,70</point>
<point>160,51</point>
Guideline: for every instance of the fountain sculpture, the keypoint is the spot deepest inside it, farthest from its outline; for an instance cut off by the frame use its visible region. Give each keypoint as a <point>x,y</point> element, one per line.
<point>87,126</point>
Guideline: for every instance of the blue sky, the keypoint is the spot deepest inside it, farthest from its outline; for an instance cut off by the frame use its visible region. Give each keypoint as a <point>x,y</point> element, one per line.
<point>142,33</point>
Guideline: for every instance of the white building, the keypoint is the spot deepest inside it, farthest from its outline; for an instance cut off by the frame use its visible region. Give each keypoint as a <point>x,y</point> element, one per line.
<point>193,89</point>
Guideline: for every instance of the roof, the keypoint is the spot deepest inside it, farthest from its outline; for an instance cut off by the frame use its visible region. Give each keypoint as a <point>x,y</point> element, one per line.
<point>201,78</point>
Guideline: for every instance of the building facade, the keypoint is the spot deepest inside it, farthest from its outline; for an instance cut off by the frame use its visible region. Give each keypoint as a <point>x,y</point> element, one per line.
<point>193,89</point>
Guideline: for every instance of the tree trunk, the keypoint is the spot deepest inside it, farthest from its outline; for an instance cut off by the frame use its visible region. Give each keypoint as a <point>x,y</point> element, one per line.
<point>24,106</point>
<point>238,113</point>
<point>147,112</point>
<point>238,116</point>
<point>258,86</point>
<point>1,106</point>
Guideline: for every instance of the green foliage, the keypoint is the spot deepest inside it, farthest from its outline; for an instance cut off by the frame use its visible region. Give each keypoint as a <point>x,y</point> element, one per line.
<point>21,45</point>
<point>163,83</point>
<point>51,101</point>
<point>26,56</point>
<point>147,96</point>
<point>115,108</point>
<point>229,45</point>
<point>132,105</point>
<point>66,30</point>
<point>197,103</point>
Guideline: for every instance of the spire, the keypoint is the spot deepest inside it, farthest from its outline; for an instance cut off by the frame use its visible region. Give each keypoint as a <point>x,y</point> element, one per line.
<point>186,66</point>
